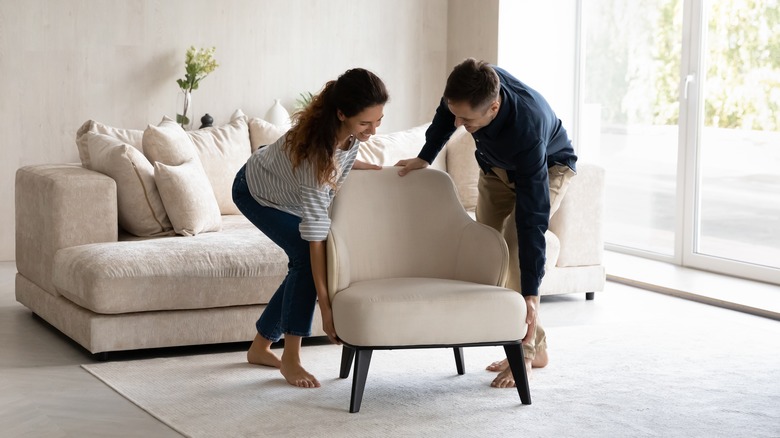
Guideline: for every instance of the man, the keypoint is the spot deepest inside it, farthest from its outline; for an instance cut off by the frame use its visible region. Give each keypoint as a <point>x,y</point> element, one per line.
<point>526,161</point>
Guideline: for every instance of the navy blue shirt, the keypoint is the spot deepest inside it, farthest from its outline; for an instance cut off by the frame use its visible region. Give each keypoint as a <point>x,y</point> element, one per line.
<point>525,138</point>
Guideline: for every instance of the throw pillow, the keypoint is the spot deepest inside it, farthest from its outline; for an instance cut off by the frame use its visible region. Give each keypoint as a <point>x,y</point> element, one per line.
<point>463,167</point>
<point>133,137</point>
<point>141,211</point>
<point>168,143</point>
<point>188,198</point>
<point>388,149</point>
<point>222,151</point>
<point>261,132</point>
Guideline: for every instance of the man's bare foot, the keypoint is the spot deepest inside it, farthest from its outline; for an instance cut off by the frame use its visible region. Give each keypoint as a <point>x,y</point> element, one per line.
<point>499,365</point>
<point>540,361</point>
<point>260,353</point>
<point>295,375</point>
<point>505,379</point>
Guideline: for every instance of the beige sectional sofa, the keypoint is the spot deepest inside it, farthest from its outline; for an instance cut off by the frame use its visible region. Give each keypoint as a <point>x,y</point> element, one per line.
<point>183,279</point>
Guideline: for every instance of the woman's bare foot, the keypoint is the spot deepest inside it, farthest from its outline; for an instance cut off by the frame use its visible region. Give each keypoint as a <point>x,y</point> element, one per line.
<point>260,353</point>
<point>295,375</point>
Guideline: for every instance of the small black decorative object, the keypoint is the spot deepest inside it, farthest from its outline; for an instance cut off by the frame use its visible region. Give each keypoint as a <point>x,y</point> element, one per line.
<point>206,121</point>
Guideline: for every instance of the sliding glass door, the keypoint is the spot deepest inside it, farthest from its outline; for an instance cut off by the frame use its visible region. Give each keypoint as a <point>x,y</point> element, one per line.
<point>681,100</point>
<point>735,195</point>
<point>629,117</point>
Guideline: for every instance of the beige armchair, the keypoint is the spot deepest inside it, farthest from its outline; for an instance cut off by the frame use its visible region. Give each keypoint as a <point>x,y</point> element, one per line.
<point>408,268</point>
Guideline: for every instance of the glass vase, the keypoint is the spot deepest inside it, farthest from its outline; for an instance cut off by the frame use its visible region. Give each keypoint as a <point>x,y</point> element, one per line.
<point>185,115</point>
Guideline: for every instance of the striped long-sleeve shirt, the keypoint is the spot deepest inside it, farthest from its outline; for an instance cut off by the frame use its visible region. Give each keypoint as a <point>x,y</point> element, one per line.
<point>273,183</point>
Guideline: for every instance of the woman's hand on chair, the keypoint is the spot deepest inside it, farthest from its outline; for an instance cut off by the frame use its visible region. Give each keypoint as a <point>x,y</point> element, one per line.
<point>328,327</point>
<point>362,165</point>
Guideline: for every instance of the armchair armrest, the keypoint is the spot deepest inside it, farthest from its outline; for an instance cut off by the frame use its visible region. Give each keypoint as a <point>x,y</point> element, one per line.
<point>59,206</point>
<point>483,256</point>
<point>338,264</point>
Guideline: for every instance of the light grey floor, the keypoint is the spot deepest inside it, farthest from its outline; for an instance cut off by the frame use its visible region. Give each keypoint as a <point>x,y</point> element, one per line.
<point>45,393</point>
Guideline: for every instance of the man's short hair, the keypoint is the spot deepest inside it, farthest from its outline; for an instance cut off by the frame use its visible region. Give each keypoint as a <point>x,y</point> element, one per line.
<point>474,82</point>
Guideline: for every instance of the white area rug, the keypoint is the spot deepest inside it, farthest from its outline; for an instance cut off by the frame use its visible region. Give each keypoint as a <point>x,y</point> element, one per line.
<point>710,378</point>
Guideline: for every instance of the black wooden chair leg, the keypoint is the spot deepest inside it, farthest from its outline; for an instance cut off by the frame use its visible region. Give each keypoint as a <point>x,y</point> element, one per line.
<point>347,354</point>
<point>362,361</point>
<point>459,360</point>
<point>514,354</point>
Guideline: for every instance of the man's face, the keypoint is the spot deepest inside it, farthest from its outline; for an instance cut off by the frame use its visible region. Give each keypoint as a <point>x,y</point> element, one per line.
<point>473,119</point>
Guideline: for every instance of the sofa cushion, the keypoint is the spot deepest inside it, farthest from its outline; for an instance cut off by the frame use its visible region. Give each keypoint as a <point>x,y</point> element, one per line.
<point>188,198</point>
<point>140,207</point>
<point>222,151</point>
<point>388,149</point>
<point>261,132</point>
<point>463,167</point>
<point>133,137</point>
<point>168,143</point>
<point>239,266</point>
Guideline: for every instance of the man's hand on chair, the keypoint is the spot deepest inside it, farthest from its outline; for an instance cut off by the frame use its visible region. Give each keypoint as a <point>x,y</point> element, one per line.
<point>532,308</point>
<point>411,164</point>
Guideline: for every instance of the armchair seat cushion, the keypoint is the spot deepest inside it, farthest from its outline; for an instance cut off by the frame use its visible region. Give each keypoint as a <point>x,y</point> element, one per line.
<point>427,311</point>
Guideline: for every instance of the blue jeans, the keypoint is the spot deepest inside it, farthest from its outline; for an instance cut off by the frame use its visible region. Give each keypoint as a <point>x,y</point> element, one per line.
<point>291,309</point>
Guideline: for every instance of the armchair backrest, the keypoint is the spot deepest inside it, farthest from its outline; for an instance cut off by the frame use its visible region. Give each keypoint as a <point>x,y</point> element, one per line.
<point>387,226</point>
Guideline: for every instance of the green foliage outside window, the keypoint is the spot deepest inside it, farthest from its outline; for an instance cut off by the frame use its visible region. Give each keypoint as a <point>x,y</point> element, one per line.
<point>634,51</point>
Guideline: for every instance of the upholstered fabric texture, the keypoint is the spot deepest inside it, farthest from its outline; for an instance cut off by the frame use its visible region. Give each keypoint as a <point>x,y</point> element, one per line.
<point>168,143</point>
<point>427,311</point>
<point>222,151</point>
<point>135,330</point>
<point>439,238</point>
<point>141,210</point>
<point>388,149</point>
<point>60,206</point>
<point>462,166</point>
<point>261,132</point>
<point>423,273</point>
<point>188,198</point>
<point>133,137</point>
<point>183,184</point>
<point>579,221</point>
<point>238,266</point>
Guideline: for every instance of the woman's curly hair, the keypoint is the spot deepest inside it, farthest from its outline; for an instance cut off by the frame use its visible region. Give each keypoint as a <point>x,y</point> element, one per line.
<point>313,135</point>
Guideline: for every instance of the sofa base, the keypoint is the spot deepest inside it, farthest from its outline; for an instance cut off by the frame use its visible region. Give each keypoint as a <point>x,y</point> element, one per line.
<point>100,333</point>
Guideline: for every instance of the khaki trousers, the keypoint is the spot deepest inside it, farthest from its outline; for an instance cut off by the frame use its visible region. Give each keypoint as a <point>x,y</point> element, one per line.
<point>496,208</point>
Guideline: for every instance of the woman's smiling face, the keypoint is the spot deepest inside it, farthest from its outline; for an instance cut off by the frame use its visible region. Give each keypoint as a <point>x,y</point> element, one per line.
<point>363,124</point>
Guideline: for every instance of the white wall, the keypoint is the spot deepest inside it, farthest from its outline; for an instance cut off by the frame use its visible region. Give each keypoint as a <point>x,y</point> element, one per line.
<point>536,43</point>
<point>472,31</point>
<point>116,61</point>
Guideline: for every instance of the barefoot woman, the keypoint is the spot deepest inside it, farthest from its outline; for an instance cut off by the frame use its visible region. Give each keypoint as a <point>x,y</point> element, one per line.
<point>285,190</point>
